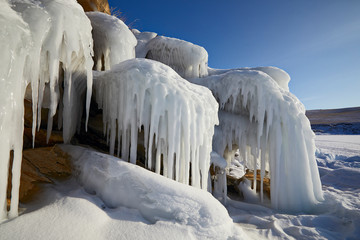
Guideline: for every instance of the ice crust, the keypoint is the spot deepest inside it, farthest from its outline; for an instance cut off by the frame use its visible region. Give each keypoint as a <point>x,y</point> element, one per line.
<point>269,126</point>
<point>177,118</point>
<point>113,41</point>
<point>187,59</point>
<point>120,184</point>
<point>42,46</point>
<point>281,77</point>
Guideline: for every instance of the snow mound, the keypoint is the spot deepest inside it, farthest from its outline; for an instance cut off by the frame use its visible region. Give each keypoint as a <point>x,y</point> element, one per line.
<point>142,39</point>
<point>177,118</point>
<point>187,59</point>
<point>269,126</point>
<point>113,41</point>
<point>119,183</point>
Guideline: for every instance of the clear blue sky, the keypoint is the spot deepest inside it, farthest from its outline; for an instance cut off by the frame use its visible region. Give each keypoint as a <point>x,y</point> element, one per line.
<point>316,41</point>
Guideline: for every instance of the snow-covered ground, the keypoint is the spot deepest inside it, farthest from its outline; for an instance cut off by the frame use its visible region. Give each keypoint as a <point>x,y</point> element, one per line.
<point>68,211</point>
<point>338,157</point>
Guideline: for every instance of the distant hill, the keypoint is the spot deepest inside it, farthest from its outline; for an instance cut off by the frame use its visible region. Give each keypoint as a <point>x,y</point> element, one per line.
<point>335,121</point>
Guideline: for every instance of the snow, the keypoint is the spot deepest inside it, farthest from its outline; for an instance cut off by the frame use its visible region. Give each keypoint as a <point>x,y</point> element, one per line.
<point>130,202</point>
<point>65,210</point>
<point>269,127</point>
<point>177,118</point>
<point>338,217</point>
<point>35,43</point>
<point>187,59</point>
<point>113,41</point>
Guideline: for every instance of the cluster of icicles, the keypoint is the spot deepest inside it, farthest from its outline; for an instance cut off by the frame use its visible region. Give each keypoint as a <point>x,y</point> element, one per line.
<point>39,43</point>
<point>177,118</point>
<point>42,47</point>
<point>269,126</point>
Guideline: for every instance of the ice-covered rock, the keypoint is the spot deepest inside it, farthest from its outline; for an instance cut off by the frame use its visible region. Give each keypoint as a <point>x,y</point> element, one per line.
<point>113,41</point>
<point>142,39</point>
<point>187,59</point>
<point>177,118</point>
<point>269,126</point>
<point>281,77</point>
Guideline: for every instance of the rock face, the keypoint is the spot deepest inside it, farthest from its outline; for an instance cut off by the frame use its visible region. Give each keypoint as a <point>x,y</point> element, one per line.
<point>95,5</point>
<point>41,165</point>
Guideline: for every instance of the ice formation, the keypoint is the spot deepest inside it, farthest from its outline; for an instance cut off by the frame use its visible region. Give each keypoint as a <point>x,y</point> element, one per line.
<point>187,59</point>
<point>281,77</point>
<point>44,35</point>
<point>113,41</point>
<point>269,126</point>
<point>142,39</point>
<point>177,118</point>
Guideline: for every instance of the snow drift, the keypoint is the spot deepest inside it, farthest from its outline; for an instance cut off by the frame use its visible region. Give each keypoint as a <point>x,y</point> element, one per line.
<point>187,59</point>
<point>113,41</point>
<point>177,118</point>
<point>269,126</point>
<point>119,183</point>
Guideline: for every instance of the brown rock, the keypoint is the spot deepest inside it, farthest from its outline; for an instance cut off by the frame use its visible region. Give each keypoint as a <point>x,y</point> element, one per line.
<point>266,181</point>
<point>40,165</point>
<point>40,136</point>
<point>95,5</point>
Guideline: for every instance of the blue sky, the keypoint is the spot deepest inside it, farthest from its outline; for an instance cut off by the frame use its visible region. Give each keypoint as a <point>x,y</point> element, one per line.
<point>317,42</point>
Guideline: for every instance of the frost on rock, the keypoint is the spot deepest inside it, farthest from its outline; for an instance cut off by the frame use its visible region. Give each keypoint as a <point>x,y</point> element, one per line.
<point>142,39</point>
<point>177,118</point>
<point>120,184</point>
<point>15,43</point>
<point>113,41</point>
<point>269,126</point>
<point>187,59</point>
<point>39,43</point>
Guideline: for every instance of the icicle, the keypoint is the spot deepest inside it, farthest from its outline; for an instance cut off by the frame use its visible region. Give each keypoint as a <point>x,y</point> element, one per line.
<point>15,45</point>
<point>178,117</point>
<point>268,123</point>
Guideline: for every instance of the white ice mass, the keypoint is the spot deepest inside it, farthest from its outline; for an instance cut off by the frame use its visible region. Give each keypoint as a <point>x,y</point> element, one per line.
<point>177,118</point>
<point>187,59</point>
<point>113,41</point>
